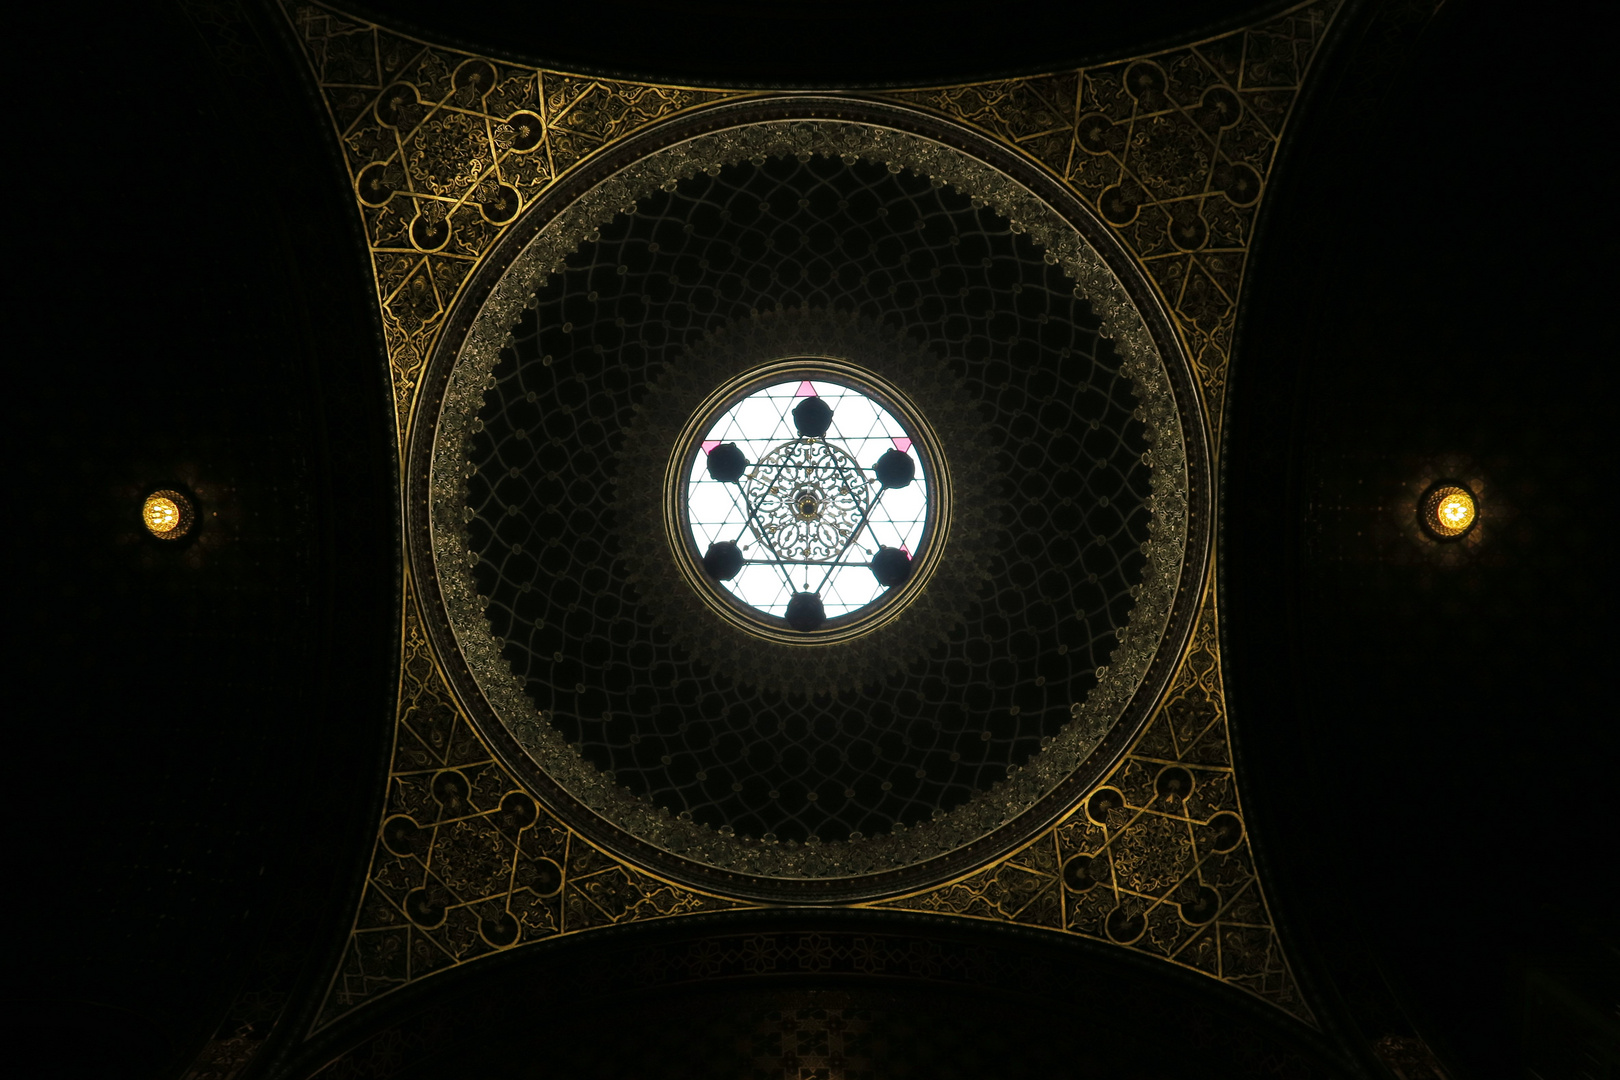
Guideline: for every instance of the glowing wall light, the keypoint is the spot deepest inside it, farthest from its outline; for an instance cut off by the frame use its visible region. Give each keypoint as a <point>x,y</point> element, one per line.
<point>168,515</point>
<point>1448,510</point>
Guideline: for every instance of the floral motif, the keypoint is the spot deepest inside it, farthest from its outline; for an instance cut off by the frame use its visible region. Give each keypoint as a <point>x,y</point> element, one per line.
<point>809,498</point>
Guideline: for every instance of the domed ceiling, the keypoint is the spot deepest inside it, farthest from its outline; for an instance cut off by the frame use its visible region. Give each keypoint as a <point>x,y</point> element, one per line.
<point>1041,273</point>
<point>385,736</point>
<point>849,763</point>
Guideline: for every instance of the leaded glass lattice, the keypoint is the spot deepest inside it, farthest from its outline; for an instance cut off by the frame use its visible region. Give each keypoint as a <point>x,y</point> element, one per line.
<point>809,514</point>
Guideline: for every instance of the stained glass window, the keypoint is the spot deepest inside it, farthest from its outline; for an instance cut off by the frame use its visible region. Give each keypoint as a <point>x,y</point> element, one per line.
<point>807,494</point>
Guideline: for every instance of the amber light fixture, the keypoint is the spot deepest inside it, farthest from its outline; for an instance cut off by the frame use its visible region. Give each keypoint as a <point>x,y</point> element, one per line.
<point>1448,511</point>
<point>168,515</point>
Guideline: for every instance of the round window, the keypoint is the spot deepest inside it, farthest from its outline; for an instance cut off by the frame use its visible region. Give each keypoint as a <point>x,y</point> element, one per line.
<point>807,497</point>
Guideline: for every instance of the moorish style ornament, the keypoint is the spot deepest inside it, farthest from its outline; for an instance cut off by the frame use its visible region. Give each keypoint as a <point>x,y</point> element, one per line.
<point>1035,280</point>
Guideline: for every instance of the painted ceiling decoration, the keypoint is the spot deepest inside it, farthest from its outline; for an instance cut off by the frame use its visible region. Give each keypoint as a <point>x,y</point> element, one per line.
<point>567,265</point>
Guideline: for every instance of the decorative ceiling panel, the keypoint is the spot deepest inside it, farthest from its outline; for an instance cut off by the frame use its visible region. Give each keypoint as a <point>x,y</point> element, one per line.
<point>1168,155</point>
<point>444,149</point>
<point>1076,535</point>
<point>1173,150</point>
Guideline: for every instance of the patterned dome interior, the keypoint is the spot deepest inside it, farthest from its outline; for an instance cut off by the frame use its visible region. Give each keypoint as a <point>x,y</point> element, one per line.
<point>921,260</point>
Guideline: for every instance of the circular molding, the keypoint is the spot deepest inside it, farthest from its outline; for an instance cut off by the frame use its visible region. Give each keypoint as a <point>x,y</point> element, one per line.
<point>1098,727</point>
<point>913,382</point>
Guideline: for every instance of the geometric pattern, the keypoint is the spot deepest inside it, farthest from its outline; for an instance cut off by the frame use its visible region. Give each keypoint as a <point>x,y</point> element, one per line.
<point>444,149</point>
<point>1173,149</point>
<point>836,543</point>
<point>1082,490</point>
<point>1155,859</point>
<point>466,864</point>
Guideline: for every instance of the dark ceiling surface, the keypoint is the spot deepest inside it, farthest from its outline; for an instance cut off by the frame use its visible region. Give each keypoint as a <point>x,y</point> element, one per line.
<point>825,44</point>
<point>1421,726</point>
<point>1425,753</point>
<point>200,722</point>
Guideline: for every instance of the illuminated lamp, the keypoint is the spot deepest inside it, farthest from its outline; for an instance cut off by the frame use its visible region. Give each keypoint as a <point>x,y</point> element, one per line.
<point>167,515</point>
<point>1448,510</point>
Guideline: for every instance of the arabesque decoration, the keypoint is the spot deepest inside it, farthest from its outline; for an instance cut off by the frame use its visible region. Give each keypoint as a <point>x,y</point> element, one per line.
<point>466,863</point>
<point>1173,149</point>
<point>1156,858</point>
<point>445,149</point>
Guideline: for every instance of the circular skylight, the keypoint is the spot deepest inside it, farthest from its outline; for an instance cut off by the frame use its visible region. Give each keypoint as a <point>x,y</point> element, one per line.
<point>807,500</point>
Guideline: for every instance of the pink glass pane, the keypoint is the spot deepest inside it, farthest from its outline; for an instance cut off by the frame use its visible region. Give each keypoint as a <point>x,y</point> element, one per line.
<point>709,445</point>
<point>806,390</point>
<point>902,445</point>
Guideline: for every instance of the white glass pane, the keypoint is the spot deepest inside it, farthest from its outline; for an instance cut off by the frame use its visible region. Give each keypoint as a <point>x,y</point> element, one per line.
<point>808,515</point>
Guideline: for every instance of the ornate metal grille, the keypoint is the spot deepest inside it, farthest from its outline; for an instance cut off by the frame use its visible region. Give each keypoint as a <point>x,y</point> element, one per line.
<point>777,513</point>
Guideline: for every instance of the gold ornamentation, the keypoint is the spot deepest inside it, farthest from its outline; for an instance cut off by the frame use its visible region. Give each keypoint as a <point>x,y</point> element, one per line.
<point>1155,859</point>
<point>1118,683</point>
<point>466,863</point>
<point>443,150</point>
<point>1172,149</point>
